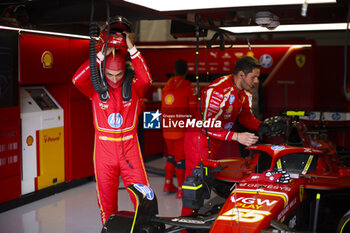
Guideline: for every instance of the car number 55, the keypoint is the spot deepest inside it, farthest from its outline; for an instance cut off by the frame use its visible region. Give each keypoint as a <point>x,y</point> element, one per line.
<point>243,215</point>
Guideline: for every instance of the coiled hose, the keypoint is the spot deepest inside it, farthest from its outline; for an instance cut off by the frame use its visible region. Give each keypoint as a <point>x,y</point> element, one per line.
<point>98,83</point>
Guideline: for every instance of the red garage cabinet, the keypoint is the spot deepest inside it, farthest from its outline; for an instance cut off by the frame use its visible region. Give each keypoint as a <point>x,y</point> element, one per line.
<point>10,145</point>
<point>10,154</point>
<point>51,61</point>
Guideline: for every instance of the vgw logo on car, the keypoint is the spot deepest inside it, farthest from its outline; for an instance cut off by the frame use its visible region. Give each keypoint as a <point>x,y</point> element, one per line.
<point>151,120</point>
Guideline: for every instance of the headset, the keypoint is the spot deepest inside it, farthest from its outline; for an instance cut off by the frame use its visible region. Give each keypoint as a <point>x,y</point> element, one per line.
<point>111,35</point>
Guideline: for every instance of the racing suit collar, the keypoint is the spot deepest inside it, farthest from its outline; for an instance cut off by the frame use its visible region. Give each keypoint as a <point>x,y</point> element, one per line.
<point>233,78</point>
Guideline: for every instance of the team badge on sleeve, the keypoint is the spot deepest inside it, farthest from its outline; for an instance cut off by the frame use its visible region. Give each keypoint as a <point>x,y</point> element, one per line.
<point>232,99</point>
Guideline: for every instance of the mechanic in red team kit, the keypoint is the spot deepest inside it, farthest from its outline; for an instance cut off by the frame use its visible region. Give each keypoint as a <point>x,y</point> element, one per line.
<point>117,150</point>
<point>224,100</point>
<point>178,101</point>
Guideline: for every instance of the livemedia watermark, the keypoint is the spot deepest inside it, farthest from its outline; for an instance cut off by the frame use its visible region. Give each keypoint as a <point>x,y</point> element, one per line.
<point>157,120</point>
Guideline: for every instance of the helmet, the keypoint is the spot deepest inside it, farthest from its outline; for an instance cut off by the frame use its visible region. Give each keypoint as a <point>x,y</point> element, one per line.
<point>116,26</point>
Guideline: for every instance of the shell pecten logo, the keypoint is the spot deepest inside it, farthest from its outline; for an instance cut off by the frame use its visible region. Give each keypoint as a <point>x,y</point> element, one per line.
<point>47,59</point>
<point>169,99</point>
<point>29,140</point>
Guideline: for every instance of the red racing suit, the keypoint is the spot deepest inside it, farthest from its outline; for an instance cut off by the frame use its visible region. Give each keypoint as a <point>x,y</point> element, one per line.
<point>178,103</point>
<point>117,151</point>
<point>221,101</point>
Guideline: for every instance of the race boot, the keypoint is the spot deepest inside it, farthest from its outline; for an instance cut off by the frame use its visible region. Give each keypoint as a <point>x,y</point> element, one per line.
<point>180,175</point>
<point>169,173</point>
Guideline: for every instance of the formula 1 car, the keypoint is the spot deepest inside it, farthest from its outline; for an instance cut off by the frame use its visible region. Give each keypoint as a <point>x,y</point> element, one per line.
<point>297,185</point>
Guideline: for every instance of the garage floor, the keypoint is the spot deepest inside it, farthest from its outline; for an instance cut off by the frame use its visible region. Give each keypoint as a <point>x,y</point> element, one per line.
<point>76,210</point>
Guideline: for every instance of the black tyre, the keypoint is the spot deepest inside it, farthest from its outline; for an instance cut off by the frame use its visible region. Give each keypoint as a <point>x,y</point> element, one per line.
<point>344,224</point>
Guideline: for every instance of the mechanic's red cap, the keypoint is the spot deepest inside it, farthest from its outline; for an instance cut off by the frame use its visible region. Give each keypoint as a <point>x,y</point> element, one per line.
<point>115,62</point>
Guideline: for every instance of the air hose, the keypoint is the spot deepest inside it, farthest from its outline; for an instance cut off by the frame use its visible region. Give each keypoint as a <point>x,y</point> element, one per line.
<point>99,84</point>
<point>346,93</point>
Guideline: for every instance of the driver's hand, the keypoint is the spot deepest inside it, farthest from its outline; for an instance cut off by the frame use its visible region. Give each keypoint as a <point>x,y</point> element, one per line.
<point>245,138</point>
<point>109,50</point>
<point>130,39</point>
<point>105,51</point>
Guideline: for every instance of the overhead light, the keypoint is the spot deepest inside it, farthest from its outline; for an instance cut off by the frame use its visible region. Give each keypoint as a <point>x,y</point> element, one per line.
<point>288,28</point>
<point>162,5</point>
<point>44,32</point>
<point>235,46</point>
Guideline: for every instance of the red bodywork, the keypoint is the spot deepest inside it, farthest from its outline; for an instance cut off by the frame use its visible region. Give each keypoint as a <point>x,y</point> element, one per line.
<point>252,206</point>
<point>255,202</point>
<point>284,187</point>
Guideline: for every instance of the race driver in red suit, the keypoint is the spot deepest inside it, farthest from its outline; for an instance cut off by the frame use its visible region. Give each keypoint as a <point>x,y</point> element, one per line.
<point>117,151</point>
<point>224,100</point>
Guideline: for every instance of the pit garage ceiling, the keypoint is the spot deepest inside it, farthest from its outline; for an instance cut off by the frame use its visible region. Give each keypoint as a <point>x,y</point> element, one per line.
<point>73,16</point>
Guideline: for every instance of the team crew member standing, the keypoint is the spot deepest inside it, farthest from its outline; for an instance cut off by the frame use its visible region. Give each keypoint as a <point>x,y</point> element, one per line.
<point>177,101</point>
<point>225,100</point>
<point>117,151</point>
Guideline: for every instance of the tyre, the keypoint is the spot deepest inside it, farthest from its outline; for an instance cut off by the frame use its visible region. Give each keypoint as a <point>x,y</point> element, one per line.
<point>344,224</point>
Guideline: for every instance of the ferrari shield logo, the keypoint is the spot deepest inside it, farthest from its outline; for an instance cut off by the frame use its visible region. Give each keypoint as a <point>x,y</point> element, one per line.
<point>300,59</point>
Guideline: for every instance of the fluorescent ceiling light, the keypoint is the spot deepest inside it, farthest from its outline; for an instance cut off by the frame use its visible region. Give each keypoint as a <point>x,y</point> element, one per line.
<point>288,28</point>
<point>235,46</point>
<point>177,5</point>
<point>44,32</point>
